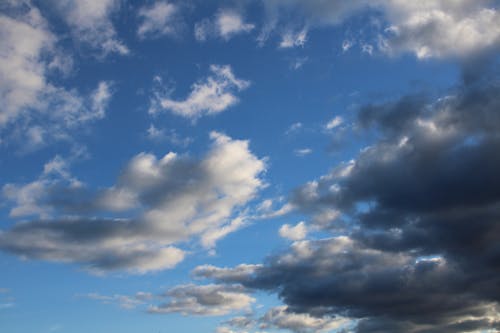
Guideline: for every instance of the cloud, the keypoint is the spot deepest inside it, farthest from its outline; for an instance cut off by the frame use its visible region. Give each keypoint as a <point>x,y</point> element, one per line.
<point>211,95</point>
<point>91,24</point>
<point>168,135</point>
<point>157,203</point>
<point>205,300</point>
<point>415,233</point>
<point>298,63</point>
<point>434,29</point>
<point>334,122</point>
<point>226,24</point>
<point>294,128</point>
<point>302,152</point>
<point>34,110</point>
<point>291,39</point>
<point>158,19</point>
<point>279,317</point>
<point>442,29</point>
<point>239,324</point>
<point>228,275</point>
<point>295,233</point>
<point>123,301</point>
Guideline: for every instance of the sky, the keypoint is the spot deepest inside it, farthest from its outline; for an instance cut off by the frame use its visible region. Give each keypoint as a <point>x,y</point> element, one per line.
<point>250,166</point>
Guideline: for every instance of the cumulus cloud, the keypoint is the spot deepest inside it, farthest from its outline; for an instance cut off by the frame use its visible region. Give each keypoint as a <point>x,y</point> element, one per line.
<point>226,24</point>
<point>157,203</point>
<point>205,300</point>
<point>158,19</point>
<point>415,228</point>
<point>34,110</point>
<point>91,24</point>
<point>212,95</point>
<point>297,232</point>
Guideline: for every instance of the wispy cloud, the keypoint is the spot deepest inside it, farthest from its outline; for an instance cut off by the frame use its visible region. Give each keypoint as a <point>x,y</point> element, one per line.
<point>208,96</point>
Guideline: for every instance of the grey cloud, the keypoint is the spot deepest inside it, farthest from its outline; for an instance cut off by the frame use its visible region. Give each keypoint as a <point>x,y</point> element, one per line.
<point>205,300</point>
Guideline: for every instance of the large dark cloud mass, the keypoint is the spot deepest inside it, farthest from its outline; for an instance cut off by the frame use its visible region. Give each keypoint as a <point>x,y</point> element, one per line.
<point>421,252</point>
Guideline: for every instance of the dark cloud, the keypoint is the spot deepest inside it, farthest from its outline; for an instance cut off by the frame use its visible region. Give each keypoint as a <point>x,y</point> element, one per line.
<point>420,214</point>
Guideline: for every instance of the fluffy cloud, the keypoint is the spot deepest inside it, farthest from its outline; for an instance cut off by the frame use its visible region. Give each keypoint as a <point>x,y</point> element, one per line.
<point>205,300</point>
<point>415,218</point>
<point>157,20</point>
<point>34,110</point>
<point>91,24</point>
<point>296,232</point>
<point>161,201</point>
<point>428,28</point>
<point>226,24</point>
<point>212,95</point>
<point>439,29</point>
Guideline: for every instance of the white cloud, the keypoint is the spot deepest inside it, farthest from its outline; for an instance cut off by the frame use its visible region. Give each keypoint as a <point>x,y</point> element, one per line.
<point>291,39</point>
<point>164,201</point>
<point>440,29</point>
<point>334,122</point>
<point>91,23</point>
<point>230,23</point>
<point>297,232</point>
<point>205,300</point>
<point>302,152</point>
<point>226,24</point>
<point>347,44</point>
<point>294,128</point>
<point>211,95</point>
<point>298,63</point>
<point>34,110</point>
<point>430,28</point>
<point>159,19</point>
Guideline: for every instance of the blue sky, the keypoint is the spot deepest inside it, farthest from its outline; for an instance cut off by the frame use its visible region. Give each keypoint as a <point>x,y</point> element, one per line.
<point>249,166</point>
